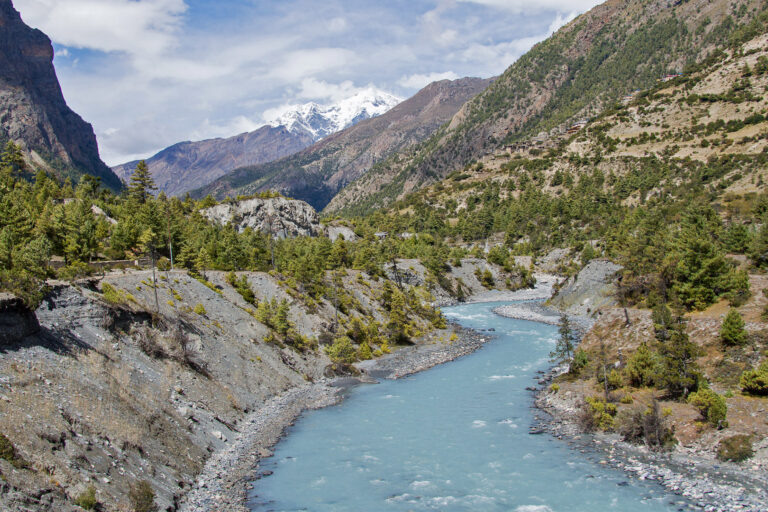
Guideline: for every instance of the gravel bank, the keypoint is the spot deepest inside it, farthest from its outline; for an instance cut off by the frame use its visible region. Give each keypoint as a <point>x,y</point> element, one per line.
<point>701,483</point>
<point>224,482</point>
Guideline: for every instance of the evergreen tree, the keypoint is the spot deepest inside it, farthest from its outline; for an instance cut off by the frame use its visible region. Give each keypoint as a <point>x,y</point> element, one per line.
<point>142,184</point>
<point>732,331</point>
<point>563,352</point>
<point>680,373</point>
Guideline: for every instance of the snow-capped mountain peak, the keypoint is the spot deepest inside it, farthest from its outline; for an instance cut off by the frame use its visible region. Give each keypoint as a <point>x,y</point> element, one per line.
<point>323,120</point>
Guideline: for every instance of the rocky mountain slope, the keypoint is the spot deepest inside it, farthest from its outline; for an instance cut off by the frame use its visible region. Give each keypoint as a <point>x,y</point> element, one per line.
<point>190,165</point>
<point>317,173</point>
<point>33,112</point>
<point>590,63</point>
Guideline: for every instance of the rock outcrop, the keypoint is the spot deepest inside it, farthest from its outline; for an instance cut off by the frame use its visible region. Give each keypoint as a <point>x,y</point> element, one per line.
<point>33,112</point>
<point>283,218</point>
<point>16,320</point>
<point>591,289</point>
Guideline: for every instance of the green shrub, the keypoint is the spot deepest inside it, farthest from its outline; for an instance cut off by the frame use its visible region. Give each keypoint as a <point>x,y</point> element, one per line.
<point>615,380</point>
<point>643,366</point>
<point>735,448</point>
<point>580,361</point>
<point>87,499</point>
<point>199,309</point>
<point>9,453</point>
<point>755,381</point>
<point>74,270</point>
<point>365,353</point>
<point>599,414</point>
<point>732,331</point>
<point>711,405</point>
<point>142,497</point>
<point>113,295</point>
<point>342,351</point>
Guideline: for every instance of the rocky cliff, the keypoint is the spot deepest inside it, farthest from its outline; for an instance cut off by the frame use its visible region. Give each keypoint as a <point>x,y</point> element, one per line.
<point>317,173</point>
<point>189,165</point>
<point>284,218</point>
<point>33,111</point>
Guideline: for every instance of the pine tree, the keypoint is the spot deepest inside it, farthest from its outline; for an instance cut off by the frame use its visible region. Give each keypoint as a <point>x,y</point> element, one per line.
<point>563,352</point>
<point>680,373</point>
<point>732,332</point>
<point>142,184</point>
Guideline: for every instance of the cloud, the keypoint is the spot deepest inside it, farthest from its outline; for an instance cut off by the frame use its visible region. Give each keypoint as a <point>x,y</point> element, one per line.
<point>526,6</point>
<point>146,26</point>
<point>303,63</point>
<point>149,73</point>
<point>419,81</point>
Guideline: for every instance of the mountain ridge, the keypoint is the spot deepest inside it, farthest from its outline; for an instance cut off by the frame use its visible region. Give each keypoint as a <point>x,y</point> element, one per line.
<point>591,62</point>
<point>188,165</point>
<point>317,173</point>
<point>33,111</point>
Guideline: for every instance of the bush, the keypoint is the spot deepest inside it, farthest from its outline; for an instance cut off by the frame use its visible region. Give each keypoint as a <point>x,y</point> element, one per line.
<point>142,497</point>
<point>342,351</point>
<point>114,295</point>
<point>87,500</point>
<point>735,448</point>
<point>580,361</point>
<point>643,366</point>
<point>598,414</point>
<point>711,405</point>
<point>74,270</point>
<point>732,331</point>
<point>649,426</point>
<point>755,381</point>
<point>9,453</point>
<point>615,381</point>
<point>199,309</point>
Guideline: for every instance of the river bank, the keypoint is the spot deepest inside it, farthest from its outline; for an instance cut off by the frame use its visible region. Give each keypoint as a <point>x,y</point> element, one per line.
<point>691,473</point>
<point>226,478</point>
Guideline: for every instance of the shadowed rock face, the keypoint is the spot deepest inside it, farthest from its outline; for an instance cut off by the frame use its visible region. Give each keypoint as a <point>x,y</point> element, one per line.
<point>33,111</point>
<point>16,321</point>
<point>284,218</point>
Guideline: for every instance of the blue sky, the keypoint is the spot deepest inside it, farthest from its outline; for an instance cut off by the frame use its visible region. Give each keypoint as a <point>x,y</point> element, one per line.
<point>149,73</point>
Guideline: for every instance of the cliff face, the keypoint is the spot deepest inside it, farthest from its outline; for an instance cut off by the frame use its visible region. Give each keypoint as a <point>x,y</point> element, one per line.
<point>33,111</point>
<point>189,165</point>
<point>317,173</point>
<point>284,218</point>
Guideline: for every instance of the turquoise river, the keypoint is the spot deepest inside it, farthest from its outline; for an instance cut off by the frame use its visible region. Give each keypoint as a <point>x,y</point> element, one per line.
<point>454,438</point>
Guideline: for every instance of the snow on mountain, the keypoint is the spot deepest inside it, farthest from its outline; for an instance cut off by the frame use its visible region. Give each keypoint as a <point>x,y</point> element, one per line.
<point>323,120</point>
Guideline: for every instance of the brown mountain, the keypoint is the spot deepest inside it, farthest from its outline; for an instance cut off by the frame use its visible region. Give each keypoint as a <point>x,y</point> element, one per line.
<point>588,65</point>
<point>33,112</point>
<point>188,165</point>
<point>317,173</point>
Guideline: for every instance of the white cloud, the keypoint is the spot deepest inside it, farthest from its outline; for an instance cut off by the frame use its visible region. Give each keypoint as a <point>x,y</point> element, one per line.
<point>561,21</point>
<point>303,63</point>
<point>419,81</point>
<point>526,6</point>
<point>337,25</point>
<point>314,89</point>
<point>145,26</point>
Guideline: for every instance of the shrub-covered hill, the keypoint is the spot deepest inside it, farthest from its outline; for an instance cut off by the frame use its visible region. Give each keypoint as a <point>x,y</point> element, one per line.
<point>585,67</point>
<point>677,171</point>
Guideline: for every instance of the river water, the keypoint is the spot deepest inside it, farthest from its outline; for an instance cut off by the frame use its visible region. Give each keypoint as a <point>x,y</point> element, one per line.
<point>454,438</point>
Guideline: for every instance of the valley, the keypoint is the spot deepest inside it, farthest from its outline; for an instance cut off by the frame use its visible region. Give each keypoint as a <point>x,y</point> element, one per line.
<point>583,238</point>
